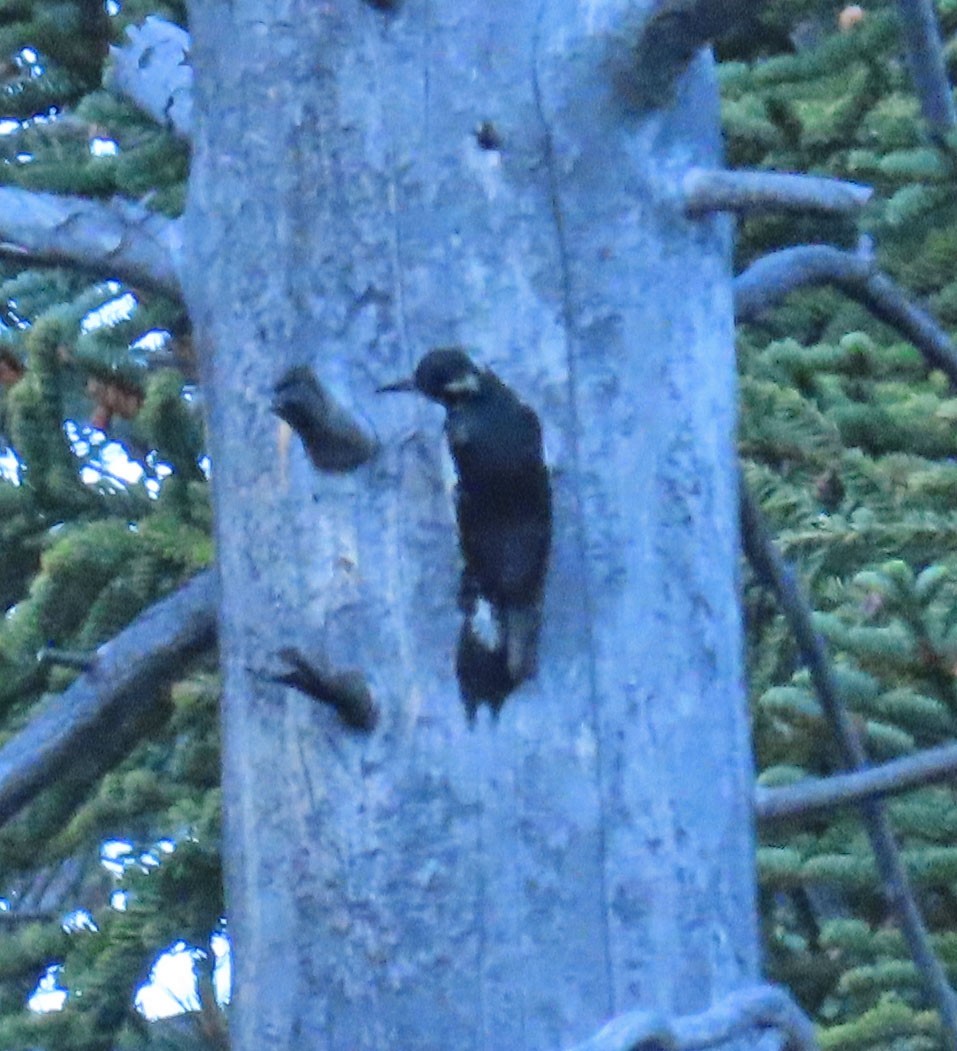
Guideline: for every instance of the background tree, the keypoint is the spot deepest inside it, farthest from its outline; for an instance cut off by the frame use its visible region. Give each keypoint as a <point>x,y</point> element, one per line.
<point>85,362</point>
<point>847,443</point>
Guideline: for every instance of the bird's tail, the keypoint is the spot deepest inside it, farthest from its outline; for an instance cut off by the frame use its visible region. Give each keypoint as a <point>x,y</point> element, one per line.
<point>520,626</point>
<point>498,650</point>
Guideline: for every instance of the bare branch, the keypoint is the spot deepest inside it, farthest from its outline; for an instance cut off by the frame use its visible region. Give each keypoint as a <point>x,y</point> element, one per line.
<point>773,571</point>
<point>722,190</point>
<point>120,687</point>
<point>771,568</point>
<point>888,303</point>
<point>670,38</point>
<point>79,660</point>
<point>898,775</point>
<point>54,887</point>
<point>334,439</point>
<point>774,276</point>
<point>152,70</point>
<point>761,1007</point>
<point>925,56</point>
<point>120,239</point>
<point>12,917</point>
<point>346,692</point>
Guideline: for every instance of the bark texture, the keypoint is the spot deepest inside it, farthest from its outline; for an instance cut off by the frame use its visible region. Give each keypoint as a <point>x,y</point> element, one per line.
<point>369,182</point>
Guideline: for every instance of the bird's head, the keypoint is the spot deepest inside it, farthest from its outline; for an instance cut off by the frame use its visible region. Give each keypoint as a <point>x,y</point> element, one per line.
<point>446,375</point>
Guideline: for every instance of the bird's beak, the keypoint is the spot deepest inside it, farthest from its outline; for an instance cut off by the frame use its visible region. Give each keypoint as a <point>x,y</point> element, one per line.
<point>408,384</point>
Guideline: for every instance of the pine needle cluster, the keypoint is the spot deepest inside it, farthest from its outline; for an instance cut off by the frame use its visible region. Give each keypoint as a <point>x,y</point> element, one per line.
<point>849,444</point>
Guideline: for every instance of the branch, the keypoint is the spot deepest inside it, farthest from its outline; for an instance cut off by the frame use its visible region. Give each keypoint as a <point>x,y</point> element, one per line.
<point>54,887</point>
<point>773,571</point>
<point>774,276</point>
<point>120,687</point>
<point>721,190</point>
<point>334,439</point>
<point>927,66</point>
<point>899,775</point>
<point>670,38</point>
<point>762,1007</point>
<point>889,304</point>
<point>120,239</point>
<point>152,70</point>
<point>79,660</point>
<point>11,917</point>
<point>771,568</point>
<point>347,693</point>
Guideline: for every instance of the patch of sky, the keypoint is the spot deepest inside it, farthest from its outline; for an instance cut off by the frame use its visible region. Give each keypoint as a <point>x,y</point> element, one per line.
<point>49,995</point>
<point>114,854</point>
<point>110,461</point>
<point>155,339</point>
<point>112,311</point>
<point>104,148</point>
<point>79,920</point>
<point>172,987</point>
<point>9,466</point>
<point>222,969</point>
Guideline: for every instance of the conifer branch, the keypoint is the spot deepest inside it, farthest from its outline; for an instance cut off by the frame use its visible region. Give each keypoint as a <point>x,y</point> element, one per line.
<point>744,192</point>
<point>120,239</point>
<point>121,686</point>
<point>152,70</point>
<point>736,1016</point>
<point>828,793</point>
<point>925,56</point>
<point>772,277</point>
<point>773,571</point>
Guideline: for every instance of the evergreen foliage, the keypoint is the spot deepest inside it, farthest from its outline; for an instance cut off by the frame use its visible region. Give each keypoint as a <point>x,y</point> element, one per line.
<point>103,510</point>
<point>849,444</point>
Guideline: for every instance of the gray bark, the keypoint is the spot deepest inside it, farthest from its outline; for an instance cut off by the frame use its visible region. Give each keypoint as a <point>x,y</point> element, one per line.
<point>873,782</point>
<point>928,64</point>
<point>517,883</point>
<point>746,192</point>
<point>151,68</point>
<point>116,239</point>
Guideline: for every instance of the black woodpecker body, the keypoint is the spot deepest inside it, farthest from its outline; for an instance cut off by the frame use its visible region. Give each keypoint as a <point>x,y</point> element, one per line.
<point>504,511</point>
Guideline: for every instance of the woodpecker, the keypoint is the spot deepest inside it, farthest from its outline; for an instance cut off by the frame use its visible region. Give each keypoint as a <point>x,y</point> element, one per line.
<point>503,508</point>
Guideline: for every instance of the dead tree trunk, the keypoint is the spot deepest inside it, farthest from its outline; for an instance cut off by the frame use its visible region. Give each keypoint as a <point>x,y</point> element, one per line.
<point>370,181</point>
